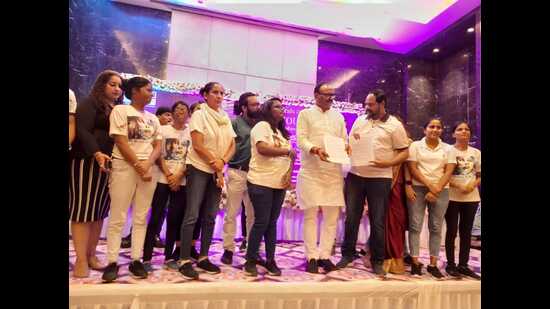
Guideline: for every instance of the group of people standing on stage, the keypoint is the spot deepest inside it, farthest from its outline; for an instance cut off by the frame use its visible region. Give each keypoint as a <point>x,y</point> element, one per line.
<point>121,155</point>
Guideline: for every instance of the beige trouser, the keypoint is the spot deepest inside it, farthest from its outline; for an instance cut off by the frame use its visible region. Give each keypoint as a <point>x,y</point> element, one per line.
<point>328,231</point>
<point>237,192</point>
<point>126,185</point>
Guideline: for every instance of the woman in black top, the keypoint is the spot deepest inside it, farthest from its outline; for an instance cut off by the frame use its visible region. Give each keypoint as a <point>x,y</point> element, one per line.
<point>90,155</point>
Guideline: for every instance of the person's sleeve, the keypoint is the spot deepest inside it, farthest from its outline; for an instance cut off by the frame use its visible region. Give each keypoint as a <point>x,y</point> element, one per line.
<point>232,131</point>
<point>72,102</point>
<point>85,123</point>
<point>399,138</point>
<point>412,152</point>
<point>158,131</point>
<point>302,132</point>
<point>261,133</point>
<point>196,123</point>
<point>118,122</point>
<point>451,154</point>
<point>478,162</point>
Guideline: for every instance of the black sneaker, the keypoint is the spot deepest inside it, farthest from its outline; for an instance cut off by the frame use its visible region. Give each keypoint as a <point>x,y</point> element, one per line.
<point>243,245</point>
<point>416,269</point>
<point>187,271</point>
<point>273,269</point>
<point>312,266</point>
<point>327,265</point>
<point>126,242</point>
<point>110,273</point>
<point>250,268</point>
<point>194,254</point>
<point>158,242</point>
<point>208,267</point>
<point>434,271</point>
<point>227,257</point>
<point>452,271</point>
<point>137,270</point>
<point>408,260</point>
<point>378,268</point>
<point>344,261</point>
<point>468,272</point>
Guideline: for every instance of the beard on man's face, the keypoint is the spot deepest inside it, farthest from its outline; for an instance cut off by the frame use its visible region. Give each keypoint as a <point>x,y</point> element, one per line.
<point>254,115</point>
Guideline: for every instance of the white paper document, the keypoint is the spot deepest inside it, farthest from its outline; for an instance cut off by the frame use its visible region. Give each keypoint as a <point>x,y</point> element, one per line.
<point>336,149</point>
<point>362,150</point>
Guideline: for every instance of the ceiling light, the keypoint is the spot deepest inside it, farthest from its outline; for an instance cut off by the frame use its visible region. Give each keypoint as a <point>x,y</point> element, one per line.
<point>436,50</point>
<point>409,66</point>
<point>471,29</point>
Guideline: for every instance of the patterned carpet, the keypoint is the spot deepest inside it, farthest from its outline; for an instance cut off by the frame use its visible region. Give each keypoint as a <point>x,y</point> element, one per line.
<point>290,258</point>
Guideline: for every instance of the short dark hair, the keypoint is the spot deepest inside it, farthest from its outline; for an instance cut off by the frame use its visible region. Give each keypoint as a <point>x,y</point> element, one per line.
<point>136,82</point>
<point>431,119</point>
<point>162,109</point>
<point>318,87</point>
<point>268,117</point>
<point>379,95</point>
<point>175,105</point>
<point>243,101</point>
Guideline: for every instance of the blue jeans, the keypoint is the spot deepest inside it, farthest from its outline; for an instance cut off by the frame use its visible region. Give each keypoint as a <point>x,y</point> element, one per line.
<point>377,192</point>
<point>201,190</point>
<point>267,203</point>
<point>436,215</point>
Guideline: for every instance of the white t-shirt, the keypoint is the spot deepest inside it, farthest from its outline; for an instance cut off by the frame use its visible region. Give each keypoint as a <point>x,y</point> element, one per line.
<point>468,163</point>
<point>216,138</point>
<point>431,162</point>
<point>175,147</point>
<point>388,136</point>
<point>264,170</point>
<point>141,128</point>
<point>72,102</point>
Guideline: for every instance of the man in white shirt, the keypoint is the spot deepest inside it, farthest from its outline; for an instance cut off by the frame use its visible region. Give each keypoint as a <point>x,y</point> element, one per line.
<point>320,183</point>
<point>373,181</point>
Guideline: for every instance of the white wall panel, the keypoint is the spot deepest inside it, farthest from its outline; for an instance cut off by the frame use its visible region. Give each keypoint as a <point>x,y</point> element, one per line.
<point>189,39</point>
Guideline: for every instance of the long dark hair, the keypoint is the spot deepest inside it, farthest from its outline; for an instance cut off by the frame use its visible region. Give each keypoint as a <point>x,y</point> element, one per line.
<point>97,94</point>
<point>136,82</point>
<point>268,117</point>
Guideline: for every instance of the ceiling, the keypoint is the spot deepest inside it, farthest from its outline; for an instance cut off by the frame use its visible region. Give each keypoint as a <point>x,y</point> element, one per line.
<point>397,26</point>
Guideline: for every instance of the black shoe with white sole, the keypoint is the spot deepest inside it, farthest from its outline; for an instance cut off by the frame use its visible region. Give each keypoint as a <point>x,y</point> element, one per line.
<point>110,273</point>
<point>272,268</point>
<point>468,272</point>
<point>187,271</point>
<point>434,271</point>
<point>137,270</point>
<point>208,267</point>
<point>250,268</point>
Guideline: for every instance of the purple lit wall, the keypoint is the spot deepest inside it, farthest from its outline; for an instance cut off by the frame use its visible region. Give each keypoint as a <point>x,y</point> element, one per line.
<point>373,69</point>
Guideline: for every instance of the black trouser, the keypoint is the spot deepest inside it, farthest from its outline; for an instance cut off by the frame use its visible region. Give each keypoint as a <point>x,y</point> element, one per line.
<point>198,224</point>
<point>243,221</point>
<point>267,203</point>
<point>466,211</point>
<point>158,207</point>
<point>202,193</point>
<point>176,212</point>
<point>377,192</point>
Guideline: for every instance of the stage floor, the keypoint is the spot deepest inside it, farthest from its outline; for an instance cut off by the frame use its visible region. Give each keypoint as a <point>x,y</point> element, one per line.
<point>352,287</point>
<point>290,258</point>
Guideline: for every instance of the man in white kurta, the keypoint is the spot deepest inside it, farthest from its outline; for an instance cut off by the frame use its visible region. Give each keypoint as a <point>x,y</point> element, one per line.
<point>320,183</point>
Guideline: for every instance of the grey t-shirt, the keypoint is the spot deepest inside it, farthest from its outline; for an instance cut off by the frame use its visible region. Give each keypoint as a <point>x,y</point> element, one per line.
<point>242,142</point>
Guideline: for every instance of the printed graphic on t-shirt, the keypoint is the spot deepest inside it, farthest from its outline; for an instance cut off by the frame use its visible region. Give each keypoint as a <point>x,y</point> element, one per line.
<point>174,149</point>
<point>138,129</point>
<point>464,165</point>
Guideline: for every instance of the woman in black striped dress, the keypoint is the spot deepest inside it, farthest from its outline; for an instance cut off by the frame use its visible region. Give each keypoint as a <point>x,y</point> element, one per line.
<point>88,191</point>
